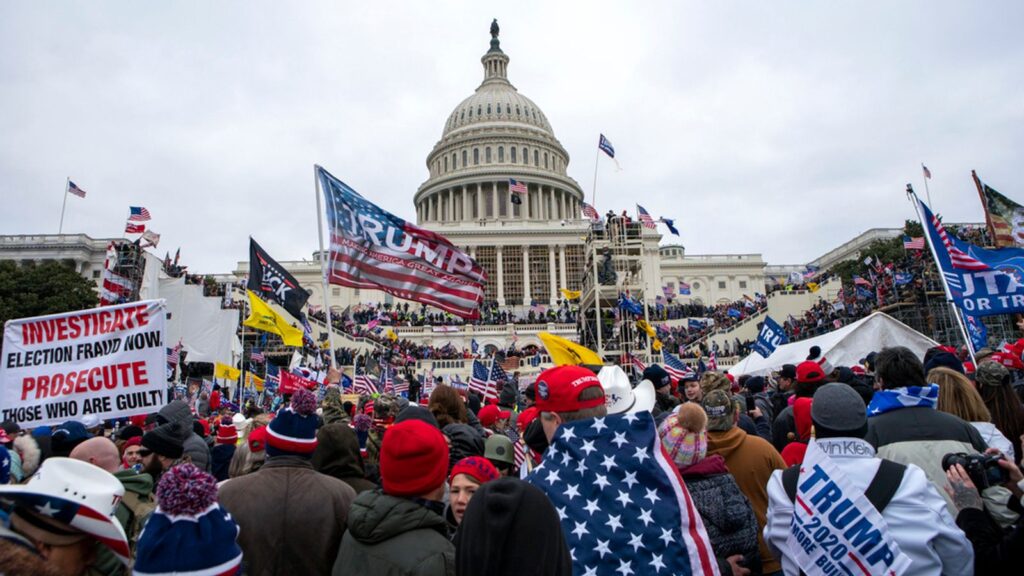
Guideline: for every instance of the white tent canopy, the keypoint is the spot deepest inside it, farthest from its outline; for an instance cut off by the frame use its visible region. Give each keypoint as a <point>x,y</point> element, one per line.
<point>842,347</point>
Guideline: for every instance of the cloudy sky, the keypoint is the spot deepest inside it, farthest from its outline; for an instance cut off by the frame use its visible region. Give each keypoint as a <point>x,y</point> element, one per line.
<point>781,128</point>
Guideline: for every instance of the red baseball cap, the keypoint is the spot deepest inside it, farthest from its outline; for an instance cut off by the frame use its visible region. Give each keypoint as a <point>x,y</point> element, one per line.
<point>559,388</point>
<point>809,372</point>
<point>490,414</point>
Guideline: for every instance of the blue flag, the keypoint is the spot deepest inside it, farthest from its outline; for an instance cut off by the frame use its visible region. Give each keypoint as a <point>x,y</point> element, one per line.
<point>630,305</point>
<point>473,345</point>
<point>606,146</point>
<point>902,278</point>
<point>771,337</point>
<point>623,506</point>
<point>694,324</point>
<point>865,294</point>
<point>734,313</point>
<point>982,282</point>
<point>670,224</point>
<point>977,331</point>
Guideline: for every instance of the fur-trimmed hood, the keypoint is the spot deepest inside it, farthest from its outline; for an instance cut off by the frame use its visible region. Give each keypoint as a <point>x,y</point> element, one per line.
<point>28,450</point>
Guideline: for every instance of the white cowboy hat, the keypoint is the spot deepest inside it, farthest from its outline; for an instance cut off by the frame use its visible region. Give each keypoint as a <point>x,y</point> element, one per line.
<point>76,494</point>
<point>620,397</point>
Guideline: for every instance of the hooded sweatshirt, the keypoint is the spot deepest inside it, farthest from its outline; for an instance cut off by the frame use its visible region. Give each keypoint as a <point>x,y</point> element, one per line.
<point>752,461</point>
<point>195,447</point>
<point>393,536</point>
<point>337,454</point>
<point>505,518</point>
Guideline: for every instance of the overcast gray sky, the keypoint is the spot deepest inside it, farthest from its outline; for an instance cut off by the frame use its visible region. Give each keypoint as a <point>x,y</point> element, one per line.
<point>781,128</point>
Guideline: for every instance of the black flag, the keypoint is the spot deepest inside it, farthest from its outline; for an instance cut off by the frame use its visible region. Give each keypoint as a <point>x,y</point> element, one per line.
<point>268,279</point>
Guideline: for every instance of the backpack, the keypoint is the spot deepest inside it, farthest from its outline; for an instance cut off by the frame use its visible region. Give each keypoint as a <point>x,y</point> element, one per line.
<point>138,512</point>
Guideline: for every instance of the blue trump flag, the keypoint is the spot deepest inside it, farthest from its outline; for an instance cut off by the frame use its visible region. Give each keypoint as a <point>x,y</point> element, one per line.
<point>902,278</point>
<point>694,324</point>
<point>772,335</point>
<point>977,331</point>
<point>981,282</point>
<point>734,313</point>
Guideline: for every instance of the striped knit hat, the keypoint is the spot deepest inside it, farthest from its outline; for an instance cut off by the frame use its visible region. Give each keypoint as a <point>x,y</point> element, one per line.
<point>189,534</point>
<point>293,431</point>
<point>684,434</point>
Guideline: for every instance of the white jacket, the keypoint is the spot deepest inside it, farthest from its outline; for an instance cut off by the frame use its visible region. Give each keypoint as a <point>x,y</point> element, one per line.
<point>917,516</point>
<point>995,439</point>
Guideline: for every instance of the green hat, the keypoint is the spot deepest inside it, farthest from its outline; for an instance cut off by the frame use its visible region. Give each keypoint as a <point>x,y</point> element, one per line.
<point>499,447</point>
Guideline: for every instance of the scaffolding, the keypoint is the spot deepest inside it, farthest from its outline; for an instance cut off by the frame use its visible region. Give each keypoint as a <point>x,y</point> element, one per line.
<point>613,269</point>
<point>932,317</point>
<point>127,260</point>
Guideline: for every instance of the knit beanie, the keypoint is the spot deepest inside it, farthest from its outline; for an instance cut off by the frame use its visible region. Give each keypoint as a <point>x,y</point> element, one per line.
<point>657,376</point>
<point>293,431</point>
<point>189,533</point>
<point>477,468</point>
<point>226,432</point>
<point>413,459</point>
<point>165,440</point>
<point>838,410</point>
<point>755,384</point>
<point>684,434</point>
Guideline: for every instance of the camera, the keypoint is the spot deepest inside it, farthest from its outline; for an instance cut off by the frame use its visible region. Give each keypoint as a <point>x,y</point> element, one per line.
<point>983,469</point>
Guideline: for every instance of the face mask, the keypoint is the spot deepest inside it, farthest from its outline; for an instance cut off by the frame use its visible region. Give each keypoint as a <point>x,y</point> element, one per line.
<point>534,436</point>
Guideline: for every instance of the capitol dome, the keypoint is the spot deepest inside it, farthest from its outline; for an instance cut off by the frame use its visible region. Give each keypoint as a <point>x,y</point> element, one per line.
<point>494,136</point>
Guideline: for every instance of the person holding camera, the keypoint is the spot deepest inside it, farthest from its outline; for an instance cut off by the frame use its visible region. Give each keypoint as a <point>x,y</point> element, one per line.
<point>995,550</point>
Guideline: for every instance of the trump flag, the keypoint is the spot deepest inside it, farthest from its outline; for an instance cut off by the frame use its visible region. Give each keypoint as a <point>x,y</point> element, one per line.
<point>372,248</point>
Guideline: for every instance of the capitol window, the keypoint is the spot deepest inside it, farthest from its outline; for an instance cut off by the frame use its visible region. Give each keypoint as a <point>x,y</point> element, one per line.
<point>454,164</point>
<point>721,284</point>
<point>517,111</point>
<point>526,157</point>
<point>513,150</point>
<point>536,158</point>
<point>508,109</point>
<point>470,112</point>
<point>445,163</point>
<point>501,153</point>
<point>479,110</point>
<point>463,115</point>
<point>696,285</point>
<point>476,156</point>
<point>487,154</point>
<point>465,159</point>
<point>743,284</point>
<point>488,108</point>
<point>545,159</point>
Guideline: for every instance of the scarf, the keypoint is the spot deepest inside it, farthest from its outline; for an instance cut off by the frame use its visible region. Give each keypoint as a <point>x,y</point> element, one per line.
<point>906,397</point>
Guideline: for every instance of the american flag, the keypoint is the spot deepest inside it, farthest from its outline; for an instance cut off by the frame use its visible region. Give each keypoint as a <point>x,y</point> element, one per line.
<point>401,259</point>
<point>623,506</point>
<point>861,281</point>
<point>363,382</point>
<point>75,189</point>
<point>637,363</point>
<point>138,214</point>
<point>482,381</point>
<point>401,385</point>
<point>645,218</point>
<point>387,379</point>
<point>957,257</point>
<point>712,361</point>
<point>913,243</point>
<point>519,452</point>
<point>457,383</point>
<point>927,172</point>
<point>174,355</point>
<point>256,355</point>
<point>590,212</point>
<point>116,288</point>
<point>675,367</point>
<point>516,186</point>
<point>132,228</point>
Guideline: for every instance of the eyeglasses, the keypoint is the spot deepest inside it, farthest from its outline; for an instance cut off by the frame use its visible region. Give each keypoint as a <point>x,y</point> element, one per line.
<point>145,452</point>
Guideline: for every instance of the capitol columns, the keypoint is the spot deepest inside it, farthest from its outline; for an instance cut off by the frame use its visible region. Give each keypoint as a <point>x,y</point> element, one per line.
<point>551,272</point>
<point>526,276</point>
<point>561,267</point>
<point>494,207</point>
<point>465,203</point>
<point>500,265</point>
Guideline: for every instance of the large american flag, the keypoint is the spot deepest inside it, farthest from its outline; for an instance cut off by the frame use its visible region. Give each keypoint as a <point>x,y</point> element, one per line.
<point>712,361</point>
<point>372,248</point>
<point>483,379</point>
<point>590,212</point>
<point>637,363</point>
<point>516,186</point>
<point>623,506</point>
<point>675,367</point>
<point>138,214</point>
<point>645,218</point>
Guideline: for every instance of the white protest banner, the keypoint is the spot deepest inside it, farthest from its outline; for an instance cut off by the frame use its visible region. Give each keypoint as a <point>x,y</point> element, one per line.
<point>836,529</point>
<point>108,362</point>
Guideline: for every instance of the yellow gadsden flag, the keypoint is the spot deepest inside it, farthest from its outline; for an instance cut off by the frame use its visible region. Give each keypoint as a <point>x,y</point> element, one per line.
<point>225,371</point>
<point>813,286</point>
<point>254,381</point>
<point>647,328</point>
<point>565,352</point>
<point>571,294</point>
<point>264,318</point>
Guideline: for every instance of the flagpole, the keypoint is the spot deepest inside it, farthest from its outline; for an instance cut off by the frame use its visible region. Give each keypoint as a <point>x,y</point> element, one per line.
<point>323,265</point>
<point>67,186</point>
<point>945,285</point>
<point>593,191</point>
<point>241,357</point>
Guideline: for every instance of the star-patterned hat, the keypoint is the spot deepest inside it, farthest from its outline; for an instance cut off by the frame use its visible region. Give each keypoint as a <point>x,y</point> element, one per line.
<point>67,495</point>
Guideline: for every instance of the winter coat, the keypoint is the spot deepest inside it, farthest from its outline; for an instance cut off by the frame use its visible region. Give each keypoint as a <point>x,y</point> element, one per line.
<point>916,516</point>
<point>752,461</point>
<point>995,439</point>
<point>665,402</point>
<point>337,455</point>
<point>390,536</point>
<point>290,516</point>
<point>726,512</point>
<point>220,458</point>
<point>923,436</point>
<point>465,441</point>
